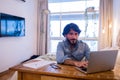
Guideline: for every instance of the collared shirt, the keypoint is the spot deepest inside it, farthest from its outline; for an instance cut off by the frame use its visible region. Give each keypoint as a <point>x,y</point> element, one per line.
<point>79,51</point>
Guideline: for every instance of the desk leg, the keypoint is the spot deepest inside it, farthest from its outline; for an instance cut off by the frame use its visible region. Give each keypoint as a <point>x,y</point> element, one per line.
<point>20,76</point>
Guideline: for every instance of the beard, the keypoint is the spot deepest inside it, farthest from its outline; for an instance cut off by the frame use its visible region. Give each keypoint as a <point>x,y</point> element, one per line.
<point>72,41</point>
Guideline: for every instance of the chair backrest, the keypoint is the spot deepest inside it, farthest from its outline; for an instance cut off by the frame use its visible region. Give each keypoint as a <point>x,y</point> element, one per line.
<point>118,58</point>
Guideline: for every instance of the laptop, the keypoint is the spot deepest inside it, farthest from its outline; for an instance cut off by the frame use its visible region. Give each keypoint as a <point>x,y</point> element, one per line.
<point>100,61</point>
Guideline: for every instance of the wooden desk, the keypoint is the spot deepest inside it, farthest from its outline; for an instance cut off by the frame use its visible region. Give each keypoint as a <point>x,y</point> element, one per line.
<point>65,73</point>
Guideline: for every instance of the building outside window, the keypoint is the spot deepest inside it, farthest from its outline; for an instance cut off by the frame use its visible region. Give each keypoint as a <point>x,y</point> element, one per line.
<point>85,13</point>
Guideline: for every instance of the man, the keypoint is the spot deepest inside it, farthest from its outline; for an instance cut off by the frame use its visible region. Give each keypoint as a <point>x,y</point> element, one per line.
<point>71,51</point>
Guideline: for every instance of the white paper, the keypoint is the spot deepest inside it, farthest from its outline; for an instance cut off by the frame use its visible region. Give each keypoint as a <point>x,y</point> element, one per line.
<point>37,64</point>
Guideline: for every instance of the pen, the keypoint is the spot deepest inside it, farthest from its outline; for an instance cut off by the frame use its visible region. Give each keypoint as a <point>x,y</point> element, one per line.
<point>55,66</point>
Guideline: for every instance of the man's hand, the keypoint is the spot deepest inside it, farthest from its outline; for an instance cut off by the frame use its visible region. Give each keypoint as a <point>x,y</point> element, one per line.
<point>81,63</point>
<point>76,63</point>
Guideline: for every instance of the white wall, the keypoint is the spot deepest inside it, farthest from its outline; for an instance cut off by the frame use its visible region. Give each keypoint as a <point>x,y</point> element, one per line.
<point>116,19</point>
<point>13,50</point>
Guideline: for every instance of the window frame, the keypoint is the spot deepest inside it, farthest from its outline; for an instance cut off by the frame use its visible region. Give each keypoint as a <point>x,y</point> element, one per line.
<point>62,38</point>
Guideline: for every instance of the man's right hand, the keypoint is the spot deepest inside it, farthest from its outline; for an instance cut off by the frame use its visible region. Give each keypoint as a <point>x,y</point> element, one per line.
<point>76,63</point>
<point>81,63</point>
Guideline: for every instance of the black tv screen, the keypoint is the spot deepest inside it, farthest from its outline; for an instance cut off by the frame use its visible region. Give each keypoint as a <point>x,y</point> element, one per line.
<point>11,26</point>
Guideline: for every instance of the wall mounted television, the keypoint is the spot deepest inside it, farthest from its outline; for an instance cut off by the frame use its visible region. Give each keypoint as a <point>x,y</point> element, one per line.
<point>11,26</point>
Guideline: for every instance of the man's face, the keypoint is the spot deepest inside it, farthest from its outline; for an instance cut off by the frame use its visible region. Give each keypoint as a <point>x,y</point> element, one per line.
<point>72,36</point>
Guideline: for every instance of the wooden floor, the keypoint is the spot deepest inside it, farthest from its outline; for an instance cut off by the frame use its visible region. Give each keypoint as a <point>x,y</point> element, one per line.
<point>8,75</point>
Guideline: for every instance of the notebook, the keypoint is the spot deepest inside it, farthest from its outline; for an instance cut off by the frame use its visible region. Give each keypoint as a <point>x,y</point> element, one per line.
<point>100,61</point>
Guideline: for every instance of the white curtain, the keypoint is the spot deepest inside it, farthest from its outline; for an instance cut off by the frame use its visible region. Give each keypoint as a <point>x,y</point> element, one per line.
<point>42,27</point>
<point>106,23</point>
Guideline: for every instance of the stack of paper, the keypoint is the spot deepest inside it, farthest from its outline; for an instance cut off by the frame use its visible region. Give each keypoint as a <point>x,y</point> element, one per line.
<point>37,64</point>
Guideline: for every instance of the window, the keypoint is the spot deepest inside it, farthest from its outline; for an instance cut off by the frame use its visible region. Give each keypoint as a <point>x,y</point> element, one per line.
<point>85,13</point>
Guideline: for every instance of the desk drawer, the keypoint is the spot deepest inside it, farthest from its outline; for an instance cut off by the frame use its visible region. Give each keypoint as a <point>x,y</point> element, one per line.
<point>29,76</point>
<point>44,77</point>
